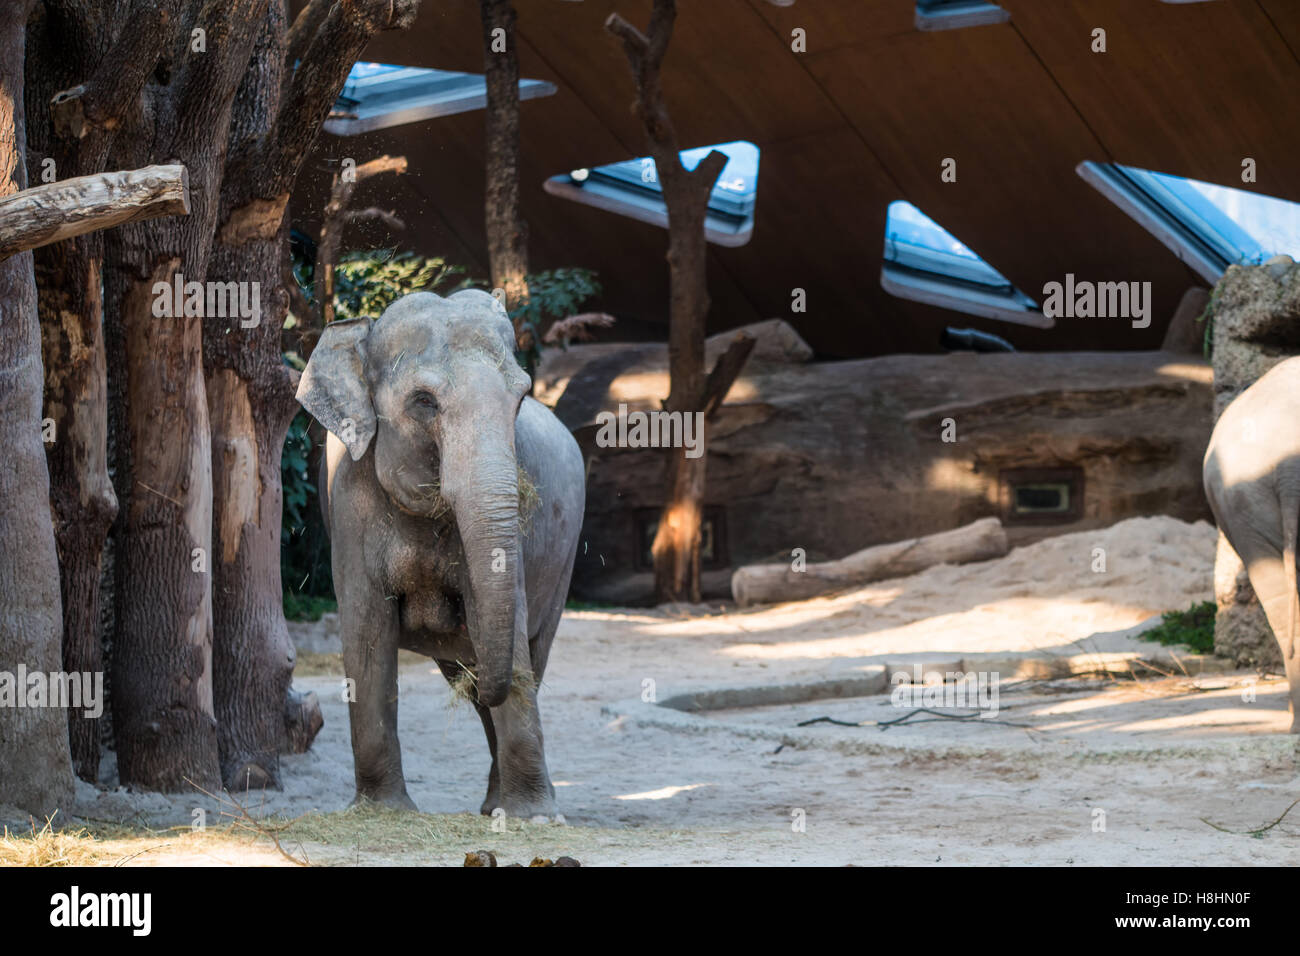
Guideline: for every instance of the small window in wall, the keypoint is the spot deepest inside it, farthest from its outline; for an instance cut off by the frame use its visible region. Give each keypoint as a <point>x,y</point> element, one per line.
<point>926,263</point>
<point>377,95</point>
<point>713,536</point>
<point>955,14</point>
<point>632,189</point>
<point>1041,495</point>
<point>1208,227</point>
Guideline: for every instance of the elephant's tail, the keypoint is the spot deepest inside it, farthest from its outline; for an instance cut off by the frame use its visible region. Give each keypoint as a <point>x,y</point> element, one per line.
<point>1290,532</point>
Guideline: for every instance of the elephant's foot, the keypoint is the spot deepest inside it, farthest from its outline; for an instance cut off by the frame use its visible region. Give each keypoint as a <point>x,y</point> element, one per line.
<point>535,808</point>
<point>394,799</point>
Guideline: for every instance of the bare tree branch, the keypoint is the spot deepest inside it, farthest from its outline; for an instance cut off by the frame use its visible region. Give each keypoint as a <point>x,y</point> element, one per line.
<point>333,221</point>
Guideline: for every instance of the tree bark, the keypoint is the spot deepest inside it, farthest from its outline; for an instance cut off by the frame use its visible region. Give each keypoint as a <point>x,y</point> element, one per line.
<point>35,761</point>
<point>773,583</point>
<point>83,76</point>
<point>163,709</point>
<point>507,233</point>
<point>250,391</point>
<point>676,547</point>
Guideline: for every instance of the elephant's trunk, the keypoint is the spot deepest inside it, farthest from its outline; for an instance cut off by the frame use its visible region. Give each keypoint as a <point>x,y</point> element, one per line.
<point>481,485</point>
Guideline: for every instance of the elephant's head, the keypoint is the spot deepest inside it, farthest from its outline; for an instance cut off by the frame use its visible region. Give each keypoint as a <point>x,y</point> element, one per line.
<point>434,386</point>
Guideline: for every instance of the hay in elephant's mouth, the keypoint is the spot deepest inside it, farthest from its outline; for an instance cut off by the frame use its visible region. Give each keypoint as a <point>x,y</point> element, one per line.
<point>529,498</point>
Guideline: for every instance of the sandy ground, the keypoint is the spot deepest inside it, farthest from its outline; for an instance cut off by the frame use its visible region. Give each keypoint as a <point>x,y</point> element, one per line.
<point>1149,761</point>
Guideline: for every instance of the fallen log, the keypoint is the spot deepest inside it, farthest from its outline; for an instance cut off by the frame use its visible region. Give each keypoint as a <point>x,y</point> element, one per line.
<point>774,583</point>
<point>44,214</point>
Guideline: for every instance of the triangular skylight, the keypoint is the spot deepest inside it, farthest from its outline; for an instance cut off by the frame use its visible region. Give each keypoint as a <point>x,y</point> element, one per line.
<point>1209,227</point>
<point>631,188</point>
<point>377,95</point>
<point>926,263</point>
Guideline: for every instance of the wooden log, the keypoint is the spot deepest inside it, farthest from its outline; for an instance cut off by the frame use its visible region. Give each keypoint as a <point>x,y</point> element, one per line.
<point>45,214</point>
<point>773,583</point>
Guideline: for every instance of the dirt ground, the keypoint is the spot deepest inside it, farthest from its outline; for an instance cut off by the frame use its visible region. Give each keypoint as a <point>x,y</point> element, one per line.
<point>1083,771</point>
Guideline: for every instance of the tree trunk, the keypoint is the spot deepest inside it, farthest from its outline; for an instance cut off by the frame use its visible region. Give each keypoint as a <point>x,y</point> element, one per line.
<point>275,121</point>
<point>676,547</point>
<point>507,233</point>
<point>82,65</point>
<point>35,761</point>
<point>163,709</point>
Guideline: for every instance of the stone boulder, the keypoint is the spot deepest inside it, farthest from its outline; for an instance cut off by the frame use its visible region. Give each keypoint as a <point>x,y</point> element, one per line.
<point>1256,314</point>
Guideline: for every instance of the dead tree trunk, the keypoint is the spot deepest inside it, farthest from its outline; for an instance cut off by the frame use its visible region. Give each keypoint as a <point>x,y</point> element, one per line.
<point>86,71</point>
<point>163,708</point>
<point>676,547</point>
<point>35,763</point>
<point>507,233</point>
<point>250,392</point>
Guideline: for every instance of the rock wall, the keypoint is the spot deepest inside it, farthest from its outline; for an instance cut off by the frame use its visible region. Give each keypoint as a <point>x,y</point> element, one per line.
<point>833,457</point>
<point>1256,313</point>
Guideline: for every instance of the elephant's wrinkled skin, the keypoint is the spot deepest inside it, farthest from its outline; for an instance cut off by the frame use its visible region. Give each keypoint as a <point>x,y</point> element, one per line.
<point>453,503</point>
<point>1252,478</point>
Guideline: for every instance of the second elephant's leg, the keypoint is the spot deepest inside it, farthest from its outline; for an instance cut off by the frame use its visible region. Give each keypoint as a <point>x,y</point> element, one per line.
<point>1269,580</point>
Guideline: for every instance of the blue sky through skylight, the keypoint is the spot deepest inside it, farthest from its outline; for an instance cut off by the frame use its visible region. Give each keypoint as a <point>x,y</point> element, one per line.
<point>915,240</point>
<point>1254,226</point>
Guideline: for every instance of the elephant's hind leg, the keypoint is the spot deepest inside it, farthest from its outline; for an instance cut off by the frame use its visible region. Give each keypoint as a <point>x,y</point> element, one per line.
<point>452,671</point>
<point>1275,590</point>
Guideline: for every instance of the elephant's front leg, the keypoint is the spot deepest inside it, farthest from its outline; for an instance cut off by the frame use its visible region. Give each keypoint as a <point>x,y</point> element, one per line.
<point>522,782</point>
<point>369,625</point>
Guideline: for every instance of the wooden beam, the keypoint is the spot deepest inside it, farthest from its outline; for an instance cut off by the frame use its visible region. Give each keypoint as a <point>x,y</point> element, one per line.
<point>50,213</point>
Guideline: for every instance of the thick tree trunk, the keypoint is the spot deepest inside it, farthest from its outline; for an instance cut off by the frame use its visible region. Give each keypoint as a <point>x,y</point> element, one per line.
<point>35,762</point>
<point>275,121</point>
<point>507,233</point>
<point>82,76</point>
<point>163,709</point>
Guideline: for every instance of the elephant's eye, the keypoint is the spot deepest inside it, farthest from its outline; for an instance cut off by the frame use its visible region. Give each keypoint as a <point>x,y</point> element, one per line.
<point>425,401</point>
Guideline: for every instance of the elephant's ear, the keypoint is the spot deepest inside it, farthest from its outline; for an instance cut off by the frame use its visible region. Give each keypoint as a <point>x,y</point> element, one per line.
<point>333,387</point>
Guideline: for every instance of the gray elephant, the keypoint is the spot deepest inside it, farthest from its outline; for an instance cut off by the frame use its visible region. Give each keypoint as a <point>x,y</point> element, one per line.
<point>453,502</point>
<point>1252,478</point>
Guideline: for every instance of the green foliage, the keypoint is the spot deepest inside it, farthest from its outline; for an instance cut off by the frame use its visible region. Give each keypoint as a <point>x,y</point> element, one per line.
<point>553,294</point>
<point>1193,627</point>
<point>304,546</point>
<point>366,283</point>
<point>307,607</point>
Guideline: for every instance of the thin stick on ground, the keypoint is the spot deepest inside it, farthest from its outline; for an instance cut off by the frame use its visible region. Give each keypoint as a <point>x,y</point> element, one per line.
<point>246,821</point>
<point>1258,831</point>
<point>897,721</point>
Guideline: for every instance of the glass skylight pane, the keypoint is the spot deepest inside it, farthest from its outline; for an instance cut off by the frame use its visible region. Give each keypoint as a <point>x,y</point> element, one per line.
<point>926,263</point>
<point>1256,227</point>
<point>631,188</point>
<point>955,14</point>
<point>378,95</point>
<point>914,240</point>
